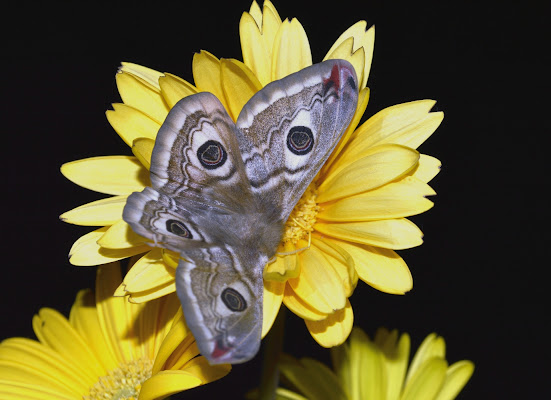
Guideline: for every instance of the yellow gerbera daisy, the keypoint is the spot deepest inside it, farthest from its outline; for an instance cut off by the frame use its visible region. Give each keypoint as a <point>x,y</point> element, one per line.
<point>378,370</point>
<point>108,349</point>
<point>351,218</point>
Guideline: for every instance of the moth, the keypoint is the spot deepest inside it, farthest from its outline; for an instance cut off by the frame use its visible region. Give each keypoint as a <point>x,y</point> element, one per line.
<point>222,192</point>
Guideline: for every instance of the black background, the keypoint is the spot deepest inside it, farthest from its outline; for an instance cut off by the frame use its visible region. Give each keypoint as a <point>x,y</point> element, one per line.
<point>478,278</point>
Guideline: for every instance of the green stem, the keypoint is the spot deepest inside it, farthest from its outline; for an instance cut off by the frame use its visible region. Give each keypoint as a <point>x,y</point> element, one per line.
<point>273,345</point>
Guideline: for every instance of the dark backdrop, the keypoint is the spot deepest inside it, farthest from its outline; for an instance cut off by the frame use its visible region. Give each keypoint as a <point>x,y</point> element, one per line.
<point>478,276</point>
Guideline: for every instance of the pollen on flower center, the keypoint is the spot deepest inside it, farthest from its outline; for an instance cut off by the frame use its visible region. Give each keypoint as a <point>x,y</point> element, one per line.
<point>123,383</point>
<point>303,217</point>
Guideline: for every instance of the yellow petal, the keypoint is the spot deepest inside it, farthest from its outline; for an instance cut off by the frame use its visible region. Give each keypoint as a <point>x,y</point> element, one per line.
<point>427,381</point>
<point>97,213</point>
<point>318,284</point>
<point>396,353</point>
<point>53,330</point>
<point>109,174</point>
<point>86,251</point>
<point>457,376</point>
<point>408,124</point>
<point>64,374</point>
<point>174,89</point>
<point>355,57</point>
<point>136,93</point>
<point>256,13</point>
<point>299,307</point>
<point>154,293</point>
<point>238,84</point>
<point>255,53</point>
<point>394,200</point>
<point>433,346</point>
<point>206,74</point>
<point>333,330</point>
<point>148,272</point>
<point>84,318</point>
<point>200,367</point>
<point>312,378</point>
<point>179,336</point>
<point>381,268</point>
<point>427,168</point>
<point>142,149</point>
<point>368,373</point>
<point>149,75</point>
<point>117,317</point>
<point>15,372</point>
<point>397,234</point>
<point>362,39</point>
<point>342,262</point>
<point>286,264</point>
<point>120,236</point>
<point>131,123</point>
<point>272,298</point>
<point>373,168</point>
<point>291,51</point>
<point>165,383</point>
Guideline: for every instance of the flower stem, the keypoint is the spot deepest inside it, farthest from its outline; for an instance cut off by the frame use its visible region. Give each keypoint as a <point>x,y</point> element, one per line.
<point>273,345</point>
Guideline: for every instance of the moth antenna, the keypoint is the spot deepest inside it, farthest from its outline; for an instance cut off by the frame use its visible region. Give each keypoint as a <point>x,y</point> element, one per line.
<point>288,253</point>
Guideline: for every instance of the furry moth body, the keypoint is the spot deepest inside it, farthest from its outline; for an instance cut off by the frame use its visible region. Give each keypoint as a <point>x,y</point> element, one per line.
<point>222,192</point>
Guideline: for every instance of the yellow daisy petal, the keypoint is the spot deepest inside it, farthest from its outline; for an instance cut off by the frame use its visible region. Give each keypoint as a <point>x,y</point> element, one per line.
<point>318,284</point>
<point>255,53</point>
<point>110,174</point>
<point>14,372</point>
<point>457,376</point>
<point>256,13</point>
<point>137,93</point>
<point>408,124</point>
<point>427,381</point>
<point>206,75</point>
<point>150,76</point>
<point>342,262</point>
<point>427,168</point>
<point>369,379</point>
<point>373,168</point>
<point>52,329</point>
<point>333,330</point>
<point>174,89</point>
<point>142,149</point>
<point>41,358</point>
<point>381,268</point>
<point>84,318</point>
<point>286,264</point>
<point>120,236</point>
<point>396,352</point>
<point>152,294</point>
<point>395,200</point>
<point>238,84</point>
<point>131,123</point>
<point>165,383</point>
<point>172,341</point>
<point>362,38</point>
<point>355,57</point>
<point>433,346</point>
<point>299,307</point>
<point>272,298</point>
<point>312,378</point>
<point>291,51</point>
<point>86,251</point>
<point>31,391</point>
<point>200,367</point>
<point>396,234</point>
<point>101,212</point>
<point>148,272</point>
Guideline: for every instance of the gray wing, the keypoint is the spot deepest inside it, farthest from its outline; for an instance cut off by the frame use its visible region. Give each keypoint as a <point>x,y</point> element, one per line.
<point>289,128</point>
<point>221,295</point>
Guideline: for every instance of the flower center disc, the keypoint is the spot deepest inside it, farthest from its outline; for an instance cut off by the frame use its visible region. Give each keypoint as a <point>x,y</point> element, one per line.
<point>303,217</point>
<point>123,383</point>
